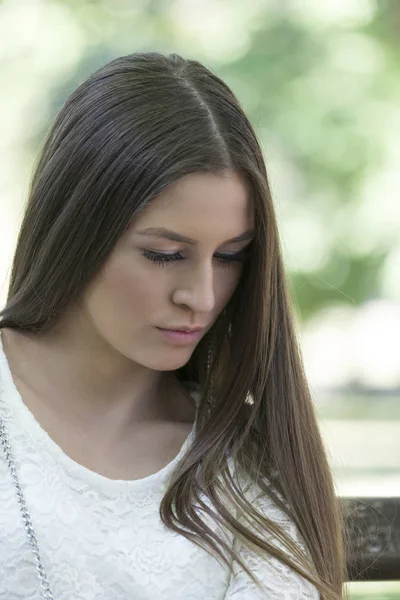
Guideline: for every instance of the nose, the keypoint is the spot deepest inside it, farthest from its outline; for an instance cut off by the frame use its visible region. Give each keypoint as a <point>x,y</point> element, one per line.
<point>196,289</point>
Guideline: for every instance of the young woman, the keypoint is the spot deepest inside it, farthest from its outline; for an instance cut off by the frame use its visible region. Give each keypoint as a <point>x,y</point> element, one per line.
<point>158,440</point>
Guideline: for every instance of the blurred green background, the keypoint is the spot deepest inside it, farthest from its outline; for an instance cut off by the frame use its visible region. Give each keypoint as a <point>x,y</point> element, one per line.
<point>320,82</point>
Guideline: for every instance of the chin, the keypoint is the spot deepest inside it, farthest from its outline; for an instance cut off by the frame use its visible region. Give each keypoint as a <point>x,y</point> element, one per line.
<point>173,365</point>
<point>169,362</point>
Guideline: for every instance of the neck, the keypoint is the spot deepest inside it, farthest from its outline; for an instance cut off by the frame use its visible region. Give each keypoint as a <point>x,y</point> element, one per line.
<point>69,370</point>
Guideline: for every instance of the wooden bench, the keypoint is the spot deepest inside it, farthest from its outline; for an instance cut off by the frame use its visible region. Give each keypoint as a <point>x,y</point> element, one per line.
<point>373,526</point>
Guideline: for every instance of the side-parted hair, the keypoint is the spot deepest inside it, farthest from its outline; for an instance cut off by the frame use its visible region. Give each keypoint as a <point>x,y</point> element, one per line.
<point>133,128</point>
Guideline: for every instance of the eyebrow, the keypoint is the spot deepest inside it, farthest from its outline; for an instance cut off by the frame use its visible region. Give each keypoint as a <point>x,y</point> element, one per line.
<point>161,232</point>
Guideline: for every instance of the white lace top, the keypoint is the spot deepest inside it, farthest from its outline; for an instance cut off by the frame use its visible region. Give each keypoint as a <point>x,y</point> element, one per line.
<point>102,539</point>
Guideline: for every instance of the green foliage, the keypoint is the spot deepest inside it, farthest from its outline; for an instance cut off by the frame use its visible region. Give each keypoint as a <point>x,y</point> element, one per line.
<point>323,98</point>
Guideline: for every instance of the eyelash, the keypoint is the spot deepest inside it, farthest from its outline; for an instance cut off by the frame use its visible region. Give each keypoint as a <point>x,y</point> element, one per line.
<point>226,260</point>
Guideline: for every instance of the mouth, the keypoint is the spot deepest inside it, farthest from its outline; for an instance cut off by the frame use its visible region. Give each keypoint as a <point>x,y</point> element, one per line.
<point>183,328</point>
<point>179,336</point>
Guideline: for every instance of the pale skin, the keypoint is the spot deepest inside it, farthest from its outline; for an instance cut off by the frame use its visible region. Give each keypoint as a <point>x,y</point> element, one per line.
<point>102,383</point>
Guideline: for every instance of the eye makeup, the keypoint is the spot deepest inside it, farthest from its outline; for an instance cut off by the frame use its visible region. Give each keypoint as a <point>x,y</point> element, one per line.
<point>225,260</point>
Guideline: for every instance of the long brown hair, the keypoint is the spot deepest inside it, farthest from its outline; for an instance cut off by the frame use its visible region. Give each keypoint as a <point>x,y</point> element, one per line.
<point>134,127</point>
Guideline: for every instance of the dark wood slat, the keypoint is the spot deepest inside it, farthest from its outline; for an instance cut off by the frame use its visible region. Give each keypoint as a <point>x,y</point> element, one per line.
<point>373,527</point>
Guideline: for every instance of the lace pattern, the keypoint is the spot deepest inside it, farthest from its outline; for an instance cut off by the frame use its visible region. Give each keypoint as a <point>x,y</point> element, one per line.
<point>102,539</point>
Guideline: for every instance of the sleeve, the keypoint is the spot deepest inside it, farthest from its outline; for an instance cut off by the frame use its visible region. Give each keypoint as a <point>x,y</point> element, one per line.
<point>279,580</point>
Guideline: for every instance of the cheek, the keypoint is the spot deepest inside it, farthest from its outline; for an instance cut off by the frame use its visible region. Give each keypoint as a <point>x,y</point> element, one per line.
<point>125,292</point>
<point>225,286</point>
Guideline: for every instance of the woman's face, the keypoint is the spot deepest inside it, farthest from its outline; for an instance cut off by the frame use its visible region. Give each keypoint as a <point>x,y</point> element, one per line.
<point>151,282</point>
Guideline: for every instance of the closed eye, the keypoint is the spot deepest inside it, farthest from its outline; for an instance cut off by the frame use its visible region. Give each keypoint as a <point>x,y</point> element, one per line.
<point>226,260</point>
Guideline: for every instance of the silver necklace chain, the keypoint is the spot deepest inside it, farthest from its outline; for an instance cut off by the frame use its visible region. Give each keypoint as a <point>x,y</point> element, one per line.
<point>44,584</point>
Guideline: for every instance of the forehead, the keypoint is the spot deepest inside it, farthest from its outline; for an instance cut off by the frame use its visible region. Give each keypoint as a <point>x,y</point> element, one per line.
<point>202,202</point>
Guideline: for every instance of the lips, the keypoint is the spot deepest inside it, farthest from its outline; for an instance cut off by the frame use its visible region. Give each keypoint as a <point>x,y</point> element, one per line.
<point>181,337</point>
<point>182,329</point>
<point>187,330</point>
